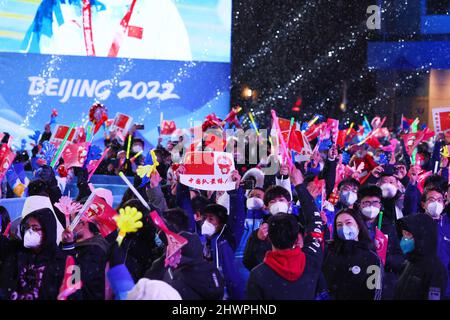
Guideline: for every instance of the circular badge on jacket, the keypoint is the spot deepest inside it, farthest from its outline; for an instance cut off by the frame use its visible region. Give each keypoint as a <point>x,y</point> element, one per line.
<point>356,269</point>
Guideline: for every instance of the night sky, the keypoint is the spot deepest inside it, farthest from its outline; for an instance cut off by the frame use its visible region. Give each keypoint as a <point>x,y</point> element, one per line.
<point>308,49</point>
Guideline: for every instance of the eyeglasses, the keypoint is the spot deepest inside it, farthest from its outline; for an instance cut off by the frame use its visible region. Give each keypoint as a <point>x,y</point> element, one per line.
<point>440,200</point>
<point>374,203</point>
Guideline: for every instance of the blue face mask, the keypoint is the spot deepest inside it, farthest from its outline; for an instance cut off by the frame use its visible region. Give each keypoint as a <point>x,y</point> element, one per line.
<point>407,245</point>
<point>348,233</point>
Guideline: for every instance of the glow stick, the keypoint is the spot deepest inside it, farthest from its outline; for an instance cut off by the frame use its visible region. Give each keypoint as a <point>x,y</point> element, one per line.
<point>161,118</point>
<point>128,147</point>
<point>132,188</point>
<point>436,164</point>
<point>137,155</point>
<point>313,121</point>
<point>81,212</point>
<point>351,127</point>
<point>250,115</point>
<point>61,146</point>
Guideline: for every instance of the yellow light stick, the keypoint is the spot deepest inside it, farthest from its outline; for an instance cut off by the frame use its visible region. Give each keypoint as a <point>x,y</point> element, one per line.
<point>313,121</point>
<point>351,127</point>
<point>137,155</point>
<point>250,115</point>
<point>129,146</point>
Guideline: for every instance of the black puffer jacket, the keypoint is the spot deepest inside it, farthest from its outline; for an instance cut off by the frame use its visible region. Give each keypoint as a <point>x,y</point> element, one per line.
<point>91,256</point>
<point>424,277</point>
<point>194,278</point>
<point>29,275</point>
<point>346,270</point>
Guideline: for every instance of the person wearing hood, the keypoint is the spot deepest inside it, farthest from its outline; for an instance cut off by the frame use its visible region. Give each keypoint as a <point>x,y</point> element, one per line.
<point>433,205</point>
<point>32,268</point>
<point>351,262</point>
<point>369,204</point>
<point>424,276</point>
<point>292,268</point>
<point>90,251</point>
<point>38,198</point>
<point>194,278</point>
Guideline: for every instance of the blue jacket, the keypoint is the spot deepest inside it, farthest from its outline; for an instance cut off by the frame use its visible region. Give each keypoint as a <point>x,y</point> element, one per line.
<point>224,245</point>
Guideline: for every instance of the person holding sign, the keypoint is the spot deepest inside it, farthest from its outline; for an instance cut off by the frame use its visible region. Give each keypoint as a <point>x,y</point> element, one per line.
<point>384,236</point>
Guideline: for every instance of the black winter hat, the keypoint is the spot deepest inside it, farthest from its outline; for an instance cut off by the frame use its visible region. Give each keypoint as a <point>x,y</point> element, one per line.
<point>218,210</point>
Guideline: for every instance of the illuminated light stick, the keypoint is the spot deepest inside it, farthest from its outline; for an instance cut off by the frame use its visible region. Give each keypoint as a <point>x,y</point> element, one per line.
<point>80,214</point>
<point>367,123</point>
<point>414,130</point>
<point>61,146</point>
<point>380,220</point>
<point>133,189</point>
<point>280,138</point>
<point>349,129</point>
<point>137,155</point>
<point>128,146</point>
<point>436,166</point>
<point>161,118</point>
<point>312,121</point>
<point>252,120</point>
<point>89,132</point>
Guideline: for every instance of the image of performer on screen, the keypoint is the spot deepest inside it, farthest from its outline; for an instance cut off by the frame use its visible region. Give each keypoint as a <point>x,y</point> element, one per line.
<point>150,29</point>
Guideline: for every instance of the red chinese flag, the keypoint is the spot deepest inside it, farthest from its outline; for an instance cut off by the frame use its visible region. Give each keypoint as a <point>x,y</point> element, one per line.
<point>102,215</point>
<point>135,32</point>
<point>444,118</point>
<point>373,142</point>
<point>199,163</point>
<point>342,135</point>
<point>168,127</point>
<point>62,131</point>
<point>293,137</point>
<point>381,244</point>
<point>75,154</point>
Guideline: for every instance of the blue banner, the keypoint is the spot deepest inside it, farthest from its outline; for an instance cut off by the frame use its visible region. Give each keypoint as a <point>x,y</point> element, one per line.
<point>31,85</point>
<point>138,57</point>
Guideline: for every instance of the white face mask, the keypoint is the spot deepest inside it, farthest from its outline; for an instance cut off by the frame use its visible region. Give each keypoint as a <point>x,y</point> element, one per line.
<point>278,207</point>
<point>435,209</point>
<point>370,212</point>
<point>348,233</point>
<point>389,190</point>
<point>348,197</point>
<point>31,239</point>
<point>254,203</point>
<point>208,229</point>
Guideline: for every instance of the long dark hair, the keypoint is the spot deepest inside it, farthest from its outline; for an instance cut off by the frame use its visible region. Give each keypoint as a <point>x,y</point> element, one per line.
<point>4,218</point>
<point>363,235</point>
